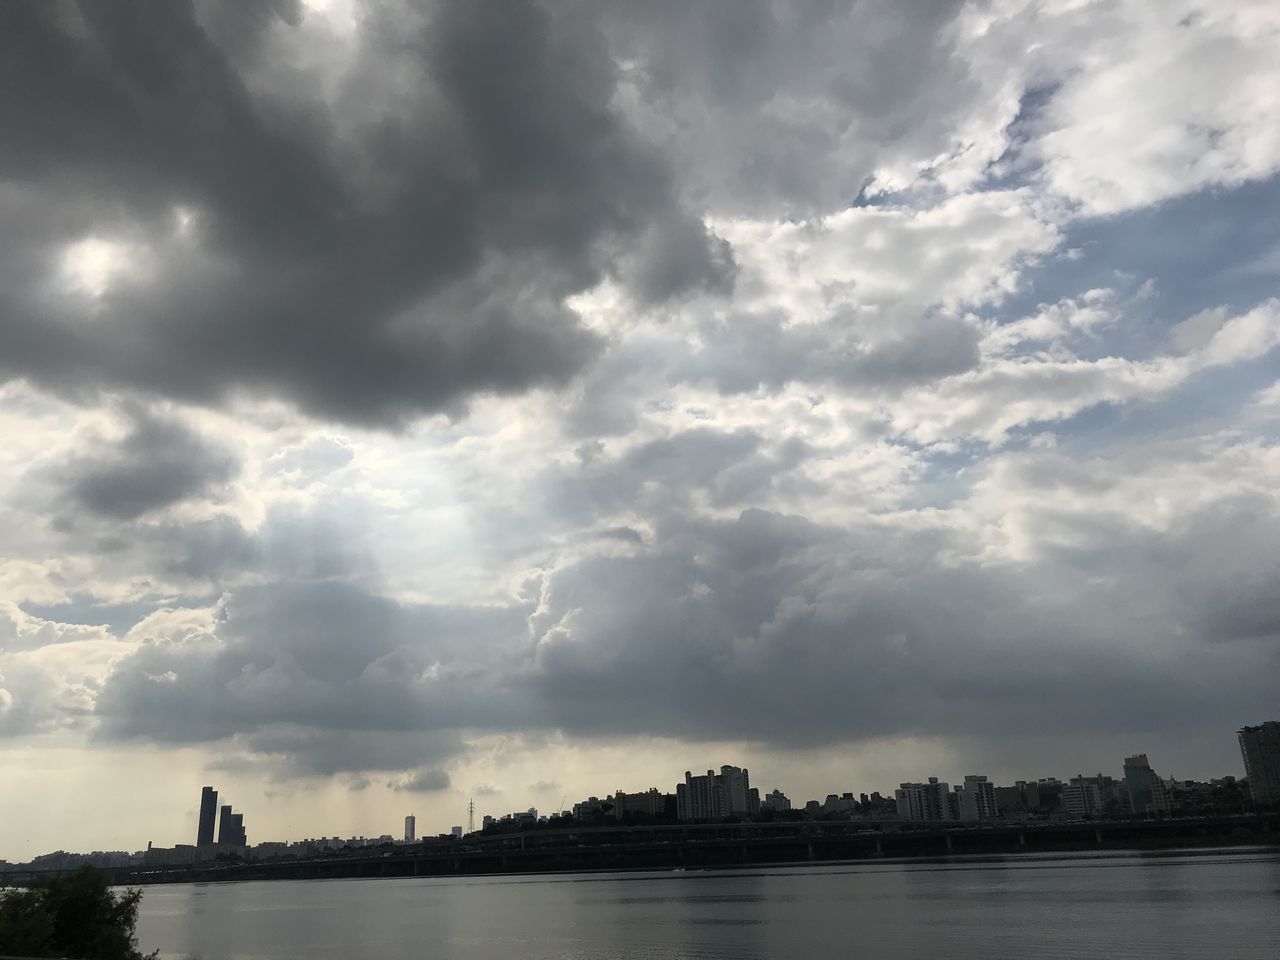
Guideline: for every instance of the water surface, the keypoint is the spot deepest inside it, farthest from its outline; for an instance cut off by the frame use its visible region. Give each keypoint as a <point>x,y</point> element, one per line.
<point>1225,904</point>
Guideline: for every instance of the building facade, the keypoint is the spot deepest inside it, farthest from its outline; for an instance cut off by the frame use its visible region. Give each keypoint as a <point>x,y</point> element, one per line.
<point>208,814</point>
<point>1260,749</point>
<point>652,803</point>
<point>1148,794</point>
<point>976,799</point>
<point>410,828</point>
<point>775,800</point>
<point>717,795</point>
<point>926,801</point>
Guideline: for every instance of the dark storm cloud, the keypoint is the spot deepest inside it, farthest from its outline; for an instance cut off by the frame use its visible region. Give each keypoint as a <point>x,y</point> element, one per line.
<point>764,627</point>
<point>160,462</point>
<point>317,672</point>
<point>368,260</point>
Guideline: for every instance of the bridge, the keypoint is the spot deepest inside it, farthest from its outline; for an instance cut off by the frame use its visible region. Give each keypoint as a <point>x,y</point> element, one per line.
<point>695,846</point>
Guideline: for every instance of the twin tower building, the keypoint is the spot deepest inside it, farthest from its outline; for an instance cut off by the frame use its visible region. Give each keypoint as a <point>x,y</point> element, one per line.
<point>230,824</point>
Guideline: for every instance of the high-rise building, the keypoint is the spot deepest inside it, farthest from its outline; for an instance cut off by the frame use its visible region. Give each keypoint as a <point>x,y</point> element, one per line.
<point>224,825</point>
<point>926,801</point>
<point>238,836</point>
<point>717,795</point>
<point>775,800</point>
<point>208,813</point>
<point>976,799</point>
<point>410,828</point>
<point>1260,748</point>
<point>1147,792</point>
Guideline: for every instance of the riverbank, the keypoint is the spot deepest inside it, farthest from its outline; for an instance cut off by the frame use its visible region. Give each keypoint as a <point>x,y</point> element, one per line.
<point>708,846</point>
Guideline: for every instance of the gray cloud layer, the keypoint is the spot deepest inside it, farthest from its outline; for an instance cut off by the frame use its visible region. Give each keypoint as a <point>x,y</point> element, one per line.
<point>382,253</point>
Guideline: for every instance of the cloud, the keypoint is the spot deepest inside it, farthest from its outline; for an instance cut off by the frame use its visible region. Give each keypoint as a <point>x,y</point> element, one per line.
<point>368,250</point>
<point>158,463</point>
<point>394,392</point>
<point>422,781</point>
<point>1049,577</point>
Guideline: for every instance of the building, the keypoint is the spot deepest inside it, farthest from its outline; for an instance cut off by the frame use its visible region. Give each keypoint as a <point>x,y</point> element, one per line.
<point>927,801</point>
<point>455,832</point>
<point>839,805</point>
<point>1148,794</point>
<point>593,808</point>
<point>208,813</point>
<point>224,824</point>
<point>1081,797</point>
<point>653,803</point>
<point>976,799</point>
<point>1260,749</point>
<point>410,828</point>
<point>776,801</point>
<point>717,795</point>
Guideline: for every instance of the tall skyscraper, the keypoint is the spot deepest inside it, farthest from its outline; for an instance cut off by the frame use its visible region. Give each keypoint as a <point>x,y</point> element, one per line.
<point>208,813</point>
<point>1260,748</point>
<point>225,825</point>
<point>410,828</point>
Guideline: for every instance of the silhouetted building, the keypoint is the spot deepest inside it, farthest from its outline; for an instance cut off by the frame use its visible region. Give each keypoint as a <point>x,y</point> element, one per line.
<point>224,825</point>
<point>653,803</point>
<point>717,795</point>
<point>1260,748</point>
<point>208,813</point>
<point>776,801</point>
<point>410,828</point>
<point>1147,792</point>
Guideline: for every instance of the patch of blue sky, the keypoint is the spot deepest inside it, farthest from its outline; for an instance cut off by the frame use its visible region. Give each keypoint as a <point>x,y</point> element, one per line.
<point>119,618</point>
<point>1212,248</point>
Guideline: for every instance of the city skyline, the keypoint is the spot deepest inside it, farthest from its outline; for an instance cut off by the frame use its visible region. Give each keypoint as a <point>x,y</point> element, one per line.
<point>698,798</point>
<point>405,402</point>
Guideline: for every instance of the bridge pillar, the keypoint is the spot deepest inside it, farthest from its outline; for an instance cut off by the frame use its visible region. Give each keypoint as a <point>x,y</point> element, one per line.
<point>1022,839</point>
<point>879,848</point>
<point>809,846</point>
<point>949,845</point>
<point>1097,834</point>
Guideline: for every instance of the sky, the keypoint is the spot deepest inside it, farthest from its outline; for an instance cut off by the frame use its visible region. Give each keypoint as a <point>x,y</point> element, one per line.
<point>405,402</point>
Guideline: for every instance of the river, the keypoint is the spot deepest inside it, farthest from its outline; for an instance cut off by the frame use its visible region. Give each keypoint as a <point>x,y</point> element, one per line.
<point>1221,904</point>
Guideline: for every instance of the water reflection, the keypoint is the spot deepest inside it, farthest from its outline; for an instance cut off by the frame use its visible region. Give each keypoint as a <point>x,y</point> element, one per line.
<point>1166,907</point>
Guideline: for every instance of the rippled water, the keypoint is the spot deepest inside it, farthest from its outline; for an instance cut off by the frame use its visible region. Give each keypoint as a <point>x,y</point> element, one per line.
<point>1222,905</point>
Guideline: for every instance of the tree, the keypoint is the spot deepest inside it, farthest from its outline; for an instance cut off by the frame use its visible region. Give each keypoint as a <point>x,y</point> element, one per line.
<point>74,915</point>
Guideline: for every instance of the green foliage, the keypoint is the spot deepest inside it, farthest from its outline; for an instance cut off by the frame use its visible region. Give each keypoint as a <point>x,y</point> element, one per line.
<point>76,915</point>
